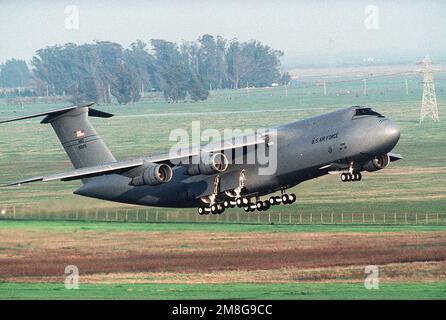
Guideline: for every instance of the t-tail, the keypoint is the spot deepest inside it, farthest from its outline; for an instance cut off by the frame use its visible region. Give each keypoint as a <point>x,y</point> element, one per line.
<point>81,142</point>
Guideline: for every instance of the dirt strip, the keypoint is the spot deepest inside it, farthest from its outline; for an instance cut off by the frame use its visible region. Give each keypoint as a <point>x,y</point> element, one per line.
<point>29,254</point>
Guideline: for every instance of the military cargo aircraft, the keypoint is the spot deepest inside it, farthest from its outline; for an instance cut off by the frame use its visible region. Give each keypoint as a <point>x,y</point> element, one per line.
<point>217,176</point>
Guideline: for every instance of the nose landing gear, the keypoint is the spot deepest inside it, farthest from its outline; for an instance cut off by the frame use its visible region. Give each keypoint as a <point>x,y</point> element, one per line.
<point>354,176</point>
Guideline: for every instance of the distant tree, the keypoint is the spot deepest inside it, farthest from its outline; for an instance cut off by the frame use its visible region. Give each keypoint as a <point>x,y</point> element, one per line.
<point>171,69</point>
<point>104,70</point>
<point>198,89</point>
<point>14,73</point>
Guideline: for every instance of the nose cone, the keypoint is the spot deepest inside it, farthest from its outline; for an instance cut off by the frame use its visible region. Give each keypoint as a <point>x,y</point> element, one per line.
<point>385,136</point>
<point>391,132</point>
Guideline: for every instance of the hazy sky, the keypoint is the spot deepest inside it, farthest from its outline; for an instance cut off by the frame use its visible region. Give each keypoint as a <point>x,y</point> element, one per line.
<point>296,27</point>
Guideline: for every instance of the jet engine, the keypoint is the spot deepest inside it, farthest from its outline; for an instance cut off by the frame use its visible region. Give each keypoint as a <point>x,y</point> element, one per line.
<point>209,164</point>
<point>378,163</point>
<point>153,174</point>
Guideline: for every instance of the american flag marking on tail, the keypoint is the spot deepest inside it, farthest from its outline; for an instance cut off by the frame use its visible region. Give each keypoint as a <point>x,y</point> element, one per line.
<point>80,133</point>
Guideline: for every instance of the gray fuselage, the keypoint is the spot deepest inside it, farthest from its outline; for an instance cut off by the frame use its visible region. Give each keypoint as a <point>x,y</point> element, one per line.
<point>302,147</point>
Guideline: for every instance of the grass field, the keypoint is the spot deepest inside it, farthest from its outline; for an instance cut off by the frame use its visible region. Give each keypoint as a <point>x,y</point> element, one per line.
<point>307,291</point>
<point>302,260</point>
<point>415,184</point>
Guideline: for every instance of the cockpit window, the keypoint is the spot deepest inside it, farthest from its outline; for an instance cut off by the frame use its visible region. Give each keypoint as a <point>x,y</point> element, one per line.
<point>367,112</point>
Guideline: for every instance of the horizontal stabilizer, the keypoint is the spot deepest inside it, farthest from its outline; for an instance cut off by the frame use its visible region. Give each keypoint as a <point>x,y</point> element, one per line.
<point>54,113</point>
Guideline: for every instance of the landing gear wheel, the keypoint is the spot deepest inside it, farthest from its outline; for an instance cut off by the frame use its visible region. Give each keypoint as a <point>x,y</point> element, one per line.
<point>201,211</point>
<point>247,209</point>
<point>265,205</point>
<point>292,198</point>
<point>285,198</point>
<point>358,176</point>
<point>216,208</point>
<point>343,177</point>
<point>272,201</point>
<point>259,205</point>
<point>239,202</point>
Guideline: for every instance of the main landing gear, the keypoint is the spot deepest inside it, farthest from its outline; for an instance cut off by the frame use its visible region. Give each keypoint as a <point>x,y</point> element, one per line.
<point>260,205</point>
<point>247,205</point>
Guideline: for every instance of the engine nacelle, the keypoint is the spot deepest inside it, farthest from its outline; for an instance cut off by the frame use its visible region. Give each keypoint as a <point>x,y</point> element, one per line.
<point>378,163</point>
<point>153,175</point>
<point>212,163</point>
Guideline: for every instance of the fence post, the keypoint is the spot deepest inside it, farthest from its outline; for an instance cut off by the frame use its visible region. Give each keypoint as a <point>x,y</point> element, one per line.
<point>427,219</point>
<point>289,222</point>
<point>352,218</point>
<point>311,217</point>
<point>127,215</point>
<point>322,219</point>
<point>384,218</point>
<point>13,213</point>
<point>106,215</point>
<point>405,217</point>
<point>147,215</point>
<point>280,217</point>
<point>342,217</point>
<point>332,220</point>
<point>156,216</point>
<point>300,218</point>
<point>416,217</point>
<point>269,217</point>
<point>394,219</point>
<point>363,218</point>
<point>137,215</point>
<point>374,218</point>
<point>437,217</point>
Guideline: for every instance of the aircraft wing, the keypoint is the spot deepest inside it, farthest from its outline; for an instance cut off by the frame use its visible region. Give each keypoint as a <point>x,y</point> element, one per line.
<point>88,172</point>
<point>121,167</point>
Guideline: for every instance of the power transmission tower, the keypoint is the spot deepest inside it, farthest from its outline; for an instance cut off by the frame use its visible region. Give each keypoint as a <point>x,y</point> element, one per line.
<point>429,102</point>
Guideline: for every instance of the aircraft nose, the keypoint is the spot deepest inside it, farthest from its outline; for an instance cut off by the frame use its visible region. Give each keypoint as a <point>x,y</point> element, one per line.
<point>391,132</point>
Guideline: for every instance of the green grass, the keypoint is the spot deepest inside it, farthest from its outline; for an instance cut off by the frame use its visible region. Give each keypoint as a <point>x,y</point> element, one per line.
<point>75,226</point>
<point>413,291</point>
<point>30,149</point>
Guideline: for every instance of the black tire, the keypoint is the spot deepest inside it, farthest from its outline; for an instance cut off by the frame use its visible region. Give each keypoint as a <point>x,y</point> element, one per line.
<point>239,202</point>
<point>247,209</point>
<point>359,176</point>
<point>292,197</point>
<point>200,211</point>
<point>259,205</point>
<point>285,199</point>
<point>349,177</point>
<point>343,177</point>
<point>266,205</point>
<point>272,201</point>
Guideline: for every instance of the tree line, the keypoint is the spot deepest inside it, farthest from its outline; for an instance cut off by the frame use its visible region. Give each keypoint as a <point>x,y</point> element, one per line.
<point>104,71</point>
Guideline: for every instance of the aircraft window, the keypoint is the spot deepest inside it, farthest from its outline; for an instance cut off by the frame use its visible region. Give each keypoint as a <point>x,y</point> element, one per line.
<point>367,112</point>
